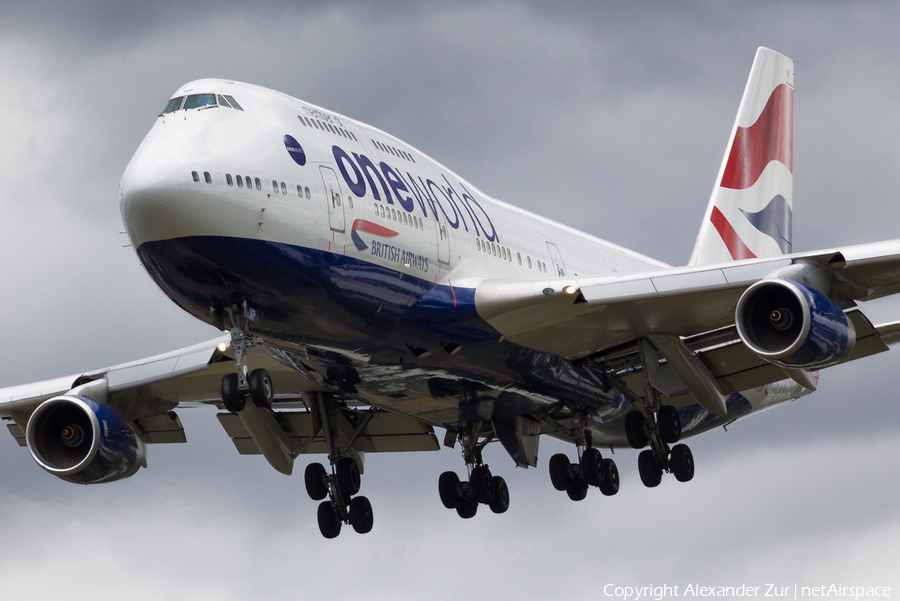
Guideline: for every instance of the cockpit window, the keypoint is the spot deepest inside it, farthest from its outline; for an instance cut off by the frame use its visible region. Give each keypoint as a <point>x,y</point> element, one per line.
<point>173,105</point>
<point>195,100</point>
<point>223,102</point>
<point>233,102</point>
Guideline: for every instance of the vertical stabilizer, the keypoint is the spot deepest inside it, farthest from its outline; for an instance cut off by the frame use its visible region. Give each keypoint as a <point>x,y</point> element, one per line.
<point>750,210</point>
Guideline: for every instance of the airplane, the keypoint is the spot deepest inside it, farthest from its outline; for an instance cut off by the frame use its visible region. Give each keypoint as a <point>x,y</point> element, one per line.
<point>368,294</point>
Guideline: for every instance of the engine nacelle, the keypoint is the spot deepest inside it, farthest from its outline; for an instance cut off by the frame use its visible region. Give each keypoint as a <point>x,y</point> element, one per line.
<point>792,325</point>
<point>84,442</point>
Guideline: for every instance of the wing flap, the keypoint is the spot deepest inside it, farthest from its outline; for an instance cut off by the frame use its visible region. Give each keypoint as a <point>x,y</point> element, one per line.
<point>384,433</point>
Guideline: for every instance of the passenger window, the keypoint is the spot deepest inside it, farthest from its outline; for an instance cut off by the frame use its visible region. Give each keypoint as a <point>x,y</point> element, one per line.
<point>350,201</point>
<point>240,181</point>
<point>197,100</point>
<point>529,262</point>
<point>258,184</point>
<point>353,136</point>
<point>173,105</point>
<point>228,179</point>
<point>207,177</point>
<point>519,257</point>
<point>233,102</point>
<point>283,188</point>
<point>299,190</point>
<point>195,175</point>
<point>376,210</point>
<point>223,102</point>
<point>307,193</point>
<point>382,210</point>
<point>275,186</point>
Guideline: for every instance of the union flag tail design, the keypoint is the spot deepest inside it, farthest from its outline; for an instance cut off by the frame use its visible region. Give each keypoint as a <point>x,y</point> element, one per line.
<point>750,210</point>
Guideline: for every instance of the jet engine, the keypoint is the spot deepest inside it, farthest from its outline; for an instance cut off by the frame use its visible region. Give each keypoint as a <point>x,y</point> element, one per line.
<point>81,441</point>
<point>792,325</point>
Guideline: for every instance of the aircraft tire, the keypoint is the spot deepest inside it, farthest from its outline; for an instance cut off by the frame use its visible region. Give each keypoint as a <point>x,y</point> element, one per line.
<point>348,477</point>
<point>682,463</point>
<point>232,398</point>
<point>634,430</point>
<point>577,490</point>
<point>361,516</point>
<point>669,423</point>
<point>329,524</point>
<point>559,472</point>
<point>610,485</point>
<point>482,483</point>
<point>466,509</point>
<point>448,489</point>
<point>316,479</point>
<point>262,393</point>
<point>500,502</point>
<point>592,467</point>
<point>651,474</point>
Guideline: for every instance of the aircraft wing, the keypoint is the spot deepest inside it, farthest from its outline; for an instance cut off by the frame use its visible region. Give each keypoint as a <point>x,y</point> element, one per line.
<point>146,392</point>
<point>601,318</point>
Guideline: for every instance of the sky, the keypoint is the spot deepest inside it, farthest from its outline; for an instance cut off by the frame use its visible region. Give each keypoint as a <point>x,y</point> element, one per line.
<point>610,117</point>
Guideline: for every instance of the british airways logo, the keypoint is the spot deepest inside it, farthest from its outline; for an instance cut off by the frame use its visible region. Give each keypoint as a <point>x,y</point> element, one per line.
<point>454,205</point>
<point>383,250</point>
<point>361,225</point>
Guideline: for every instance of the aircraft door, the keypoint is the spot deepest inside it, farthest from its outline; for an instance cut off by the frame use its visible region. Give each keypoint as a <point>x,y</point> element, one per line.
<point>334,199</point>
<point>556,259</point>
<point>442,231</point>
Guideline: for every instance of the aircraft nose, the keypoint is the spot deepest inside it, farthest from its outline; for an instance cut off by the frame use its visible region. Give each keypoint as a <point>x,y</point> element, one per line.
<point>152,194</point>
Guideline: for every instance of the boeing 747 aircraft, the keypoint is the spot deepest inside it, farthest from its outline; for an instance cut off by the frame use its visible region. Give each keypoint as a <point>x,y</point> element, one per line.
<point>368,295</point>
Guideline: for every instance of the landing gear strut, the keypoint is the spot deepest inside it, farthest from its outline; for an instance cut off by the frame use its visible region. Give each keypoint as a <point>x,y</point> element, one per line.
<point>659,426</point>
<point>592,468</point>
<point>482,487</point>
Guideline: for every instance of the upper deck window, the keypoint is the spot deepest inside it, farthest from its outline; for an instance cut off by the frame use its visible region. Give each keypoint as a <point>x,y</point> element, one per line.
<point>173,105</point>
<point>196,100</point>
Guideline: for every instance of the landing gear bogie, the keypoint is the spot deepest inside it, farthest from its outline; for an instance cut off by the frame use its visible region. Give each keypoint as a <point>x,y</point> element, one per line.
<point>576,478</point>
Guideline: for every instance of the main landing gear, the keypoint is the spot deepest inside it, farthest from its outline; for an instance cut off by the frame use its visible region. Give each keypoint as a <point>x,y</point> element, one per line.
<point>592,469</point>
<point>341,507</point>
<point>482,487</point>
<point>660,429</point>
<point>336,489</point>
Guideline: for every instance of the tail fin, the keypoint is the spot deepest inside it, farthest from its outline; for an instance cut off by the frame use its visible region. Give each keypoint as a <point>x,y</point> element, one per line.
<point>750,210</point>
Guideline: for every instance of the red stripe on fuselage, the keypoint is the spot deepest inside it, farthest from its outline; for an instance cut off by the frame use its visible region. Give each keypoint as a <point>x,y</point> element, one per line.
<point>373,228</point>
<point>732,241</point>
<point>771,138</point>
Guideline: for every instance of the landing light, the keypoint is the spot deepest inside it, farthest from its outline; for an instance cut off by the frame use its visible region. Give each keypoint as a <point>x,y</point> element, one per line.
<point>570,289</point>
<point>222,346</point>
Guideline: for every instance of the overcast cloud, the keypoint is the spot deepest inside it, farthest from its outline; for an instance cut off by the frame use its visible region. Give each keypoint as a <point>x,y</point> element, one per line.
<point>610,118</point>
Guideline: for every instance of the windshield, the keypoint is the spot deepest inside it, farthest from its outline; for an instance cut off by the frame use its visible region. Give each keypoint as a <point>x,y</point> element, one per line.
<point>173,105</point>
<point>195,100</point>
